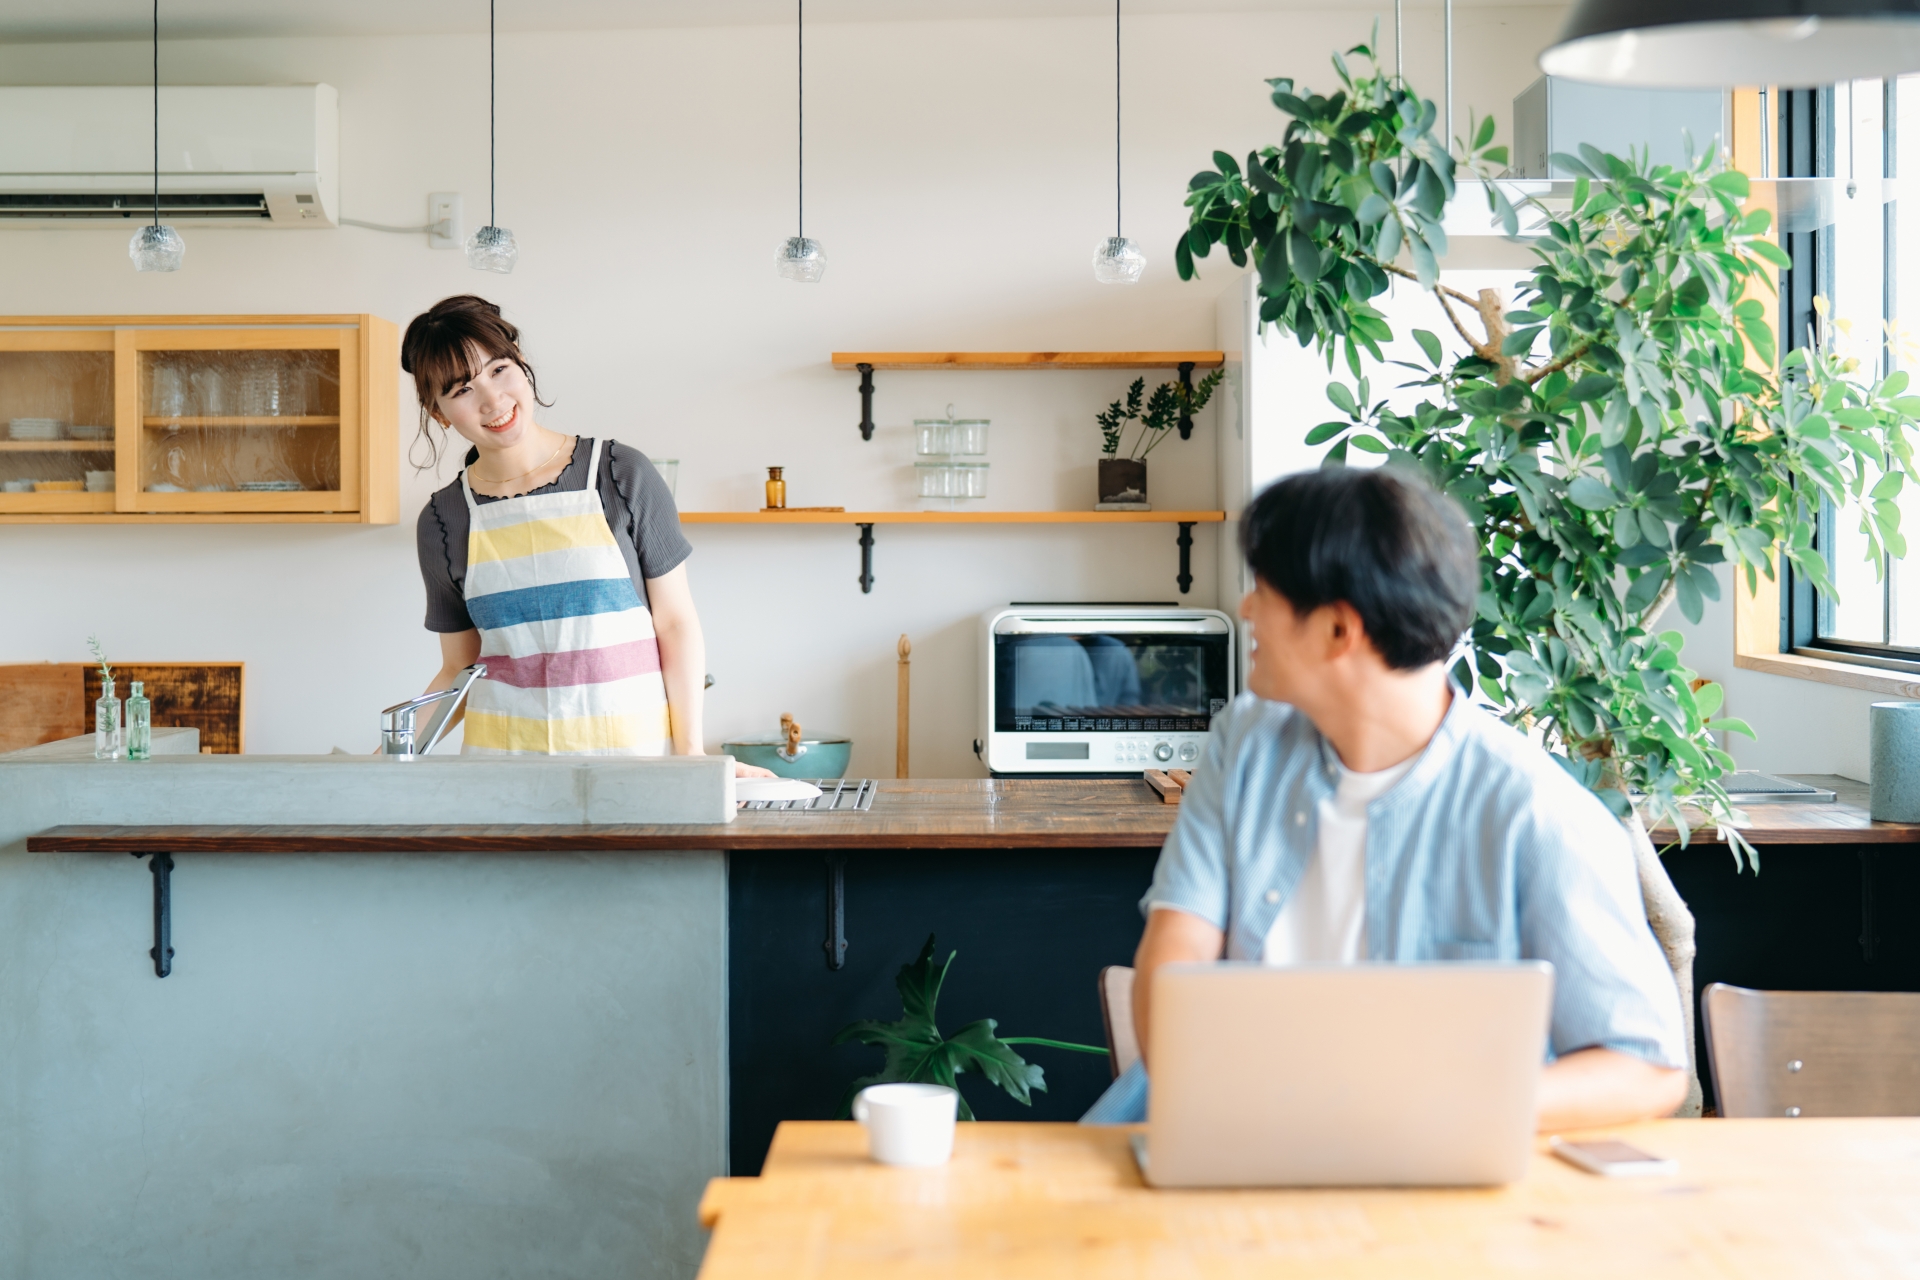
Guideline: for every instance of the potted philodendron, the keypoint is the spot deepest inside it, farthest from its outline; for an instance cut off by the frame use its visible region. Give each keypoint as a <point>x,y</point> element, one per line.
<point>1615,430</point>
<point>1123,478</point>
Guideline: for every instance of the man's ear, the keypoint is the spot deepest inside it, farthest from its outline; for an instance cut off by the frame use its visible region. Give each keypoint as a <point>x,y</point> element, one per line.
<point>1343,630</point>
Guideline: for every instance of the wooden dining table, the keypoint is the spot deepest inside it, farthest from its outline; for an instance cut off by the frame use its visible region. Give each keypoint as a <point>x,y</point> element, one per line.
<point>1805,1198</point>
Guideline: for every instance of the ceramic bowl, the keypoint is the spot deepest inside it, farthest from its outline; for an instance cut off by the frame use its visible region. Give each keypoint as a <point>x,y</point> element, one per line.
<point>817,757</point>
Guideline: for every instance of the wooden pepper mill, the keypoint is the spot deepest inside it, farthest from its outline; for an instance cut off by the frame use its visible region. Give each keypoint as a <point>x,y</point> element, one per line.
<point>900,723</point>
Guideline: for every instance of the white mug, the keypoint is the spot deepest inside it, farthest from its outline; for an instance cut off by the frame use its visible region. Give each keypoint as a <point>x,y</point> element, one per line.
<point>909,1125</point>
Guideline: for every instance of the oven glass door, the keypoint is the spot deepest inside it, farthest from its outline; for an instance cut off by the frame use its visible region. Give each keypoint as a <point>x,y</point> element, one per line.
<point>1108,682</point>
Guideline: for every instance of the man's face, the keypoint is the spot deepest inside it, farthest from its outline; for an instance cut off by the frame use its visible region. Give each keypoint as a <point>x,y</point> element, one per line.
<point>1289,650</point>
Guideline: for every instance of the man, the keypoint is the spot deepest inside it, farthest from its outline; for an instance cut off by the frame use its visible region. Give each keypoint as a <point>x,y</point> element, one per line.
<point>1353,805</point>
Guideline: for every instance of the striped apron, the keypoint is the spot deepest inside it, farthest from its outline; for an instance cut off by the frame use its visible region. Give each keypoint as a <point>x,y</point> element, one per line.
<point>572,664</point>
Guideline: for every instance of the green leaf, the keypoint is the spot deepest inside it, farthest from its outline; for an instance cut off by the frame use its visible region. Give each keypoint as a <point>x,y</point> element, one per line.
<point>1767,251</point>
<point>1429,344</point>
<point>1368,444</point>
<point>1592,494</point>
<point>1342,399</point>
<point>1485,135</point>
<point>1731,182</point>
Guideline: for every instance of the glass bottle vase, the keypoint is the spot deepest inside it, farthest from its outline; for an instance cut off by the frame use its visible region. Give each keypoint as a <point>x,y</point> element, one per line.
<point>107,743</point>
<point>139,724</point>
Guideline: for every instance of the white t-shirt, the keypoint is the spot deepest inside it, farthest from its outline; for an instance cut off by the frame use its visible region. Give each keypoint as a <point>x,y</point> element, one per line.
<point>1325,921</point>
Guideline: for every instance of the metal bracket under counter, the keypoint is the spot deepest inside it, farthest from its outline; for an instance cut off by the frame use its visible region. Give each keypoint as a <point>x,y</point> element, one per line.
<point>161,865</point>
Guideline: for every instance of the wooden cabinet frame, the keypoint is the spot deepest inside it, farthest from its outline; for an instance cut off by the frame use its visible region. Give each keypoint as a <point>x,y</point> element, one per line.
<point>368,421</point>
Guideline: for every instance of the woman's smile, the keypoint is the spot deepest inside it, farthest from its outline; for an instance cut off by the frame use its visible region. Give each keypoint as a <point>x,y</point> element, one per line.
<point>503,424</point>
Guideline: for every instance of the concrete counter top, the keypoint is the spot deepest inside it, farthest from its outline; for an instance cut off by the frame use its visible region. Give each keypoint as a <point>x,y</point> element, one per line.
<point>37,792</point>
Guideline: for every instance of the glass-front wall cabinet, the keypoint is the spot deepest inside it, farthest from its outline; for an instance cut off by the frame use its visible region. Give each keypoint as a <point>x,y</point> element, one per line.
<point>163,420</point>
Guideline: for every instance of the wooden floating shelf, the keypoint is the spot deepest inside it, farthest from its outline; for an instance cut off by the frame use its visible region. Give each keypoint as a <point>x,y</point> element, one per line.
<point>1028,359</point>
<point>275,421</point>
<point>56,446</point>
<point>952,517</point>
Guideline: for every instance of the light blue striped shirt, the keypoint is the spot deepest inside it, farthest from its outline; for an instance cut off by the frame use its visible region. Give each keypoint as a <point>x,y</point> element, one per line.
<point>1485,850</point>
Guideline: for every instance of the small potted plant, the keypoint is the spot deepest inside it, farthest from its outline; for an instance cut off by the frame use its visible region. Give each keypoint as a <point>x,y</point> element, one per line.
<point>1123,478</point>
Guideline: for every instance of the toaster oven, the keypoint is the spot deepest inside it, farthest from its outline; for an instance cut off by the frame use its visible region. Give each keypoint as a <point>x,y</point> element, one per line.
<point>1085,690</point>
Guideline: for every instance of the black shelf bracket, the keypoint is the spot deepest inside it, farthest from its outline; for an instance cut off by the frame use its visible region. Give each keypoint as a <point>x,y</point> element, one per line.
<point>1186,419</point>
<point>866,559</point>
<point>866,400</point>
<point>161,865</point>
<point>836,944</point>
<point>1186,556</point>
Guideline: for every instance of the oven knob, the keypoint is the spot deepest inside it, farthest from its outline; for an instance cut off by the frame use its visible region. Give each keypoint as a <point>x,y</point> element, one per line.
<point>1163,751</point>
<point>1189,752</point>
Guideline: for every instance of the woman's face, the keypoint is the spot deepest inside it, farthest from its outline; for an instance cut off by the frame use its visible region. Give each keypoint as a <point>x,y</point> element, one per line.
<point>492,410</point>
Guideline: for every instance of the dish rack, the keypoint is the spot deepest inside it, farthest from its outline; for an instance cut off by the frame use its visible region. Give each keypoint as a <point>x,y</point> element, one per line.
<point>837,795</point>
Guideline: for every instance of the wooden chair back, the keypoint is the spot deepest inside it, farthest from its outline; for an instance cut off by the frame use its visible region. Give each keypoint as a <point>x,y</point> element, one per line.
<point>1813,1053</point>
<point>1116,1010</point>
<point>47,701</point>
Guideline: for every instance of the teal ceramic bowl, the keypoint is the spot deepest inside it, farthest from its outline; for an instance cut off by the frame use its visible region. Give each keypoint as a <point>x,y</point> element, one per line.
<point>817,757</point>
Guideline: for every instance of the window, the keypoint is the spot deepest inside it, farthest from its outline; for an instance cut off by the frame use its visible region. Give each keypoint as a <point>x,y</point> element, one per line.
<point>1866,265</point>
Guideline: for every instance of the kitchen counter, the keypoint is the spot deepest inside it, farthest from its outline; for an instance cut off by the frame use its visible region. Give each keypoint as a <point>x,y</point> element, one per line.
<point>946,813</point>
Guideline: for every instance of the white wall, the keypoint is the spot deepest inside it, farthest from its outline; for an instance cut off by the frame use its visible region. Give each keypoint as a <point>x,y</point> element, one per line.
<point>959,174</point>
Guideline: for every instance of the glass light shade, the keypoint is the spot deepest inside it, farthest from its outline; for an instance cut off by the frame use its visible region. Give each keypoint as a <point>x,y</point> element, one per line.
<point>1118,261</point>
<point>156,248</point>
<point>1705,44</point>
<point>802,259</point>
<point>492,249</point>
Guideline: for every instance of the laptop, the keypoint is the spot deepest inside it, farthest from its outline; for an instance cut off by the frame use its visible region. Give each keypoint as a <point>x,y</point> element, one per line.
<point>1344,1075</point>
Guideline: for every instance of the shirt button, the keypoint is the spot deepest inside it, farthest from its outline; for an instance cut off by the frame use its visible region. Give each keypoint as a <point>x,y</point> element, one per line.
<point>1273,895</point>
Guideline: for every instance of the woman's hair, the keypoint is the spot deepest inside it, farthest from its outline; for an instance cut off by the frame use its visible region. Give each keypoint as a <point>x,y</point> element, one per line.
<point>439,350</point>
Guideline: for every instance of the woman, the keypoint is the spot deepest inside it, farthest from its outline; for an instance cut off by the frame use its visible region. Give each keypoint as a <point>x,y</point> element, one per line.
<point>556,560</point>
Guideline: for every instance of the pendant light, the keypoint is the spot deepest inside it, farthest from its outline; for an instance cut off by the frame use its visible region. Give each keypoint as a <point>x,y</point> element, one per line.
<point>1726,43</point>
<point>799,258</point>
<point>491,248</point>
<point>1117,260</point>
<point>156,248</point>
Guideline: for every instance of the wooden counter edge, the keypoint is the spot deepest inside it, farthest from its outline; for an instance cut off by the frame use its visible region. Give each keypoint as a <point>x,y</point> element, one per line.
<point>560,839</point>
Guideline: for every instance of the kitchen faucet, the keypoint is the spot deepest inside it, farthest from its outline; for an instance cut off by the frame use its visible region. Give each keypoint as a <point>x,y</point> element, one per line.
<point>398,736</point>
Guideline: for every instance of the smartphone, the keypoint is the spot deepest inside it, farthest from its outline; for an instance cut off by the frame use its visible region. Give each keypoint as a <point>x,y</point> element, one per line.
<point>1611,1158</point>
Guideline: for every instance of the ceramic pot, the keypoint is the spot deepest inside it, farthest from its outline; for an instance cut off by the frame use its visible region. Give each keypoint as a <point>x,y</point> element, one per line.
<point>1893,756</point>
<point>810,757</point>
<point>1123,480</point>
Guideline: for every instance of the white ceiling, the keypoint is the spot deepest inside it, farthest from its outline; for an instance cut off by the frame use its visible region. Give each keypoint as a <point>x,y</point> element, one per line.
<point>63,20</point>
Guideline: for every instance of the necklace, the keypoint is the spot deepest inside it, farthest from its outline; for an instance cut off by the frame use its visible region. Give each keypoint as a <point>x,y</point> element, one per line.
<point>564,441</point>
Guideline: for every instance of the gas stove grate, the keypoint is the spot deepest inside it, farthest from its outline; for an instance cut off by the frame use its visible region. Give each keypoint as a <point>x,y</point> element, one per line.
<point>837,795</point>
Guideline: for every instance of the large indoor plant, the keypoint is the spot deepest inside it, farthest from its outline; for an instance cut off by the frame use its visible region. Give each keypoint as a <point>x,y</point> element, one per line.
<point>1615,430</point>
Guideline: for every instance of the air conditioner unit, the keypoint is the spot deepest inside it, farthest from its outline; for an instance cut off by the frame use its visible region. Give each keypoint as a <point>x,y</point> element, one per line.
<point>229,155</point>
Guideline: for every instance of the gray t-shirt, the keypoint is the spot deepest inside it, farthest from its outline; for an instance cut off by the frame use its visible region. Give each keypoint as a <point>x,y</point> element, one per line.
<point>639,507</point>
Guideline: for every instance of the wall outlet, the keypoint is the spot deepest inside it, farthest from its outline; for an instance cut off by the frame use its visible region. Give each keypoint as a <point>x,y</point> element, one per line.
<point>443,207</point>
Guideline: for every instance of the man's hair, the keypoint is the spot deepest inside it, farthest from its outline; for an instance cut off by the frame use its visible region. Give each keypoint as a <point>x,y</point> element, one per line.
<point>1382,541</point>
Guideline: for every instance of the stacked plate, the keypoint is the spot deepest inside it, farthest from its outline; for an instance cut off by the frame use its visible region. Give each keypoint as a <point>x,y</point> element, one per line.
<point>81,431</point>
<point>271,486</point>
<point>34,428</point>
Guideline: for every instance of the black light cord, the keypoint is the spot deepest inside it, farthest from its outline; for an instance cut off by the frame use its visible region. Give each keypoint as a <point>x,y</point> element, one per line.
<point>493,199</point>
<point>1116,119</point>
<point>801,42</point>
<point>156,112</point>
